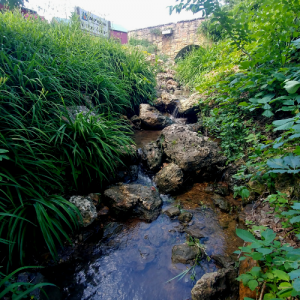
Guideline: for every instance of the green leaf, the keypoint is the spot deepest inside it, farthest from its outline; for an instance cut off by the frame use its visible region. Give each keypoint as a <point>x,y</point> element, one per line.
<point>256,256</point>
<point>245,235</point>
<point>292,86</point>
<point>296,206</point>
<point>292,161</point>
<point>296,285</point>
<point>276,163</point>
<point>267,113</point>
<point>255,271</point>
<point>269,235</point>
<point>285,126</point>
<point>245,278</point>
<point>281,275</point>
<point>294,274</point>
<point>279,76</point>
<point>266,99</point>
<point>285,292</point>
<point>264,251</point>
<point>283,121</point>
<point>253,284</point>
<point>295,220</point>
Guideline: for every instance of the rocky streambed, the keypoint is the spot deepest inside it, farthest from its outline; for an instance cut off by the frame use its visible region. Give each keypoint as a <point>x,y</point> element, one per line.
<point>165,227</point>
<point>135,259</point>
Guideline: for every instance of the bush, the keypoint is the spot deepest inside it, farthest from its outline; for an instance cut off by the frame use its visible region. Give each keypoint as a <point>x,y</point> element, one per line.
<point>48,71</point>
<point>148,46</point>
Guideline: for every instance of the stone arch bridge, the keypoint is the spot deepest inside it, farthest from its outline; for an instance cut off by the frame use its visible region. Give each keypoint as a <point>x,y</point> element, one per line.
<point>172,39</point>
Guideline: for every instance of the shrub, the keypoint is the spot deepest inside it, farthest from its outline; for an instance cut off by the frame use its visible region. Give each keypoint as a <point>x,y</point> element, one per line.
<point>47,71</point>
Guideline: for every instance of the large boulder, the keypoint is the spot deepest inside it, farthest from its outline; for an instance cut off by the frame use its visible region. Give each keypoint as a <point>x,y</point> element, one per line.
<point>190,151</point>
<point>152,119</point>
<point>86,208</point>
<point>216,285</point>
<point>152,156</point>
<point>184,253</point>
<point>190,105</point>
<point>134,200</point>
<point>169,179</point>
<point>167,102</point>
<point>136,121</point>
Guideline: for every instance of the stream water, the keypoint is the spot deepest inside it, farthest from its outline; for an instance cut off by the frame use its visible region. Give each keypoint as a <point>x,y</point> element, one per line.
<point>132,261</point>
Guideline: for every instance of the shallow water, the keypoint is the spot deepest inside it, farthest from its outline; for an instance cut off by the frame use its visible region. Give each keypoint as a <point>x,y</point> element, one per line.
<point>135,262</point>
<point>132,261</point>
<point>142,137</point>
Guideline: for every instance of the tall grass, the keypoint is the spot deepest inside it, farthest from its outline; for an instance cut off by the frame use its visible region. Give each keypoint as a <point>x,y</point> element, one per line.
<point>205,62</point>
<point>46,70</point>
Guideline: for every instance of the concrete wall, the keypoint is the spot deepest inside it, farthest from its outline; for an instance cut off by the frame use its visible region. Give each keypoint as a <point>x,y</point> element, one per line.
<point>184,33</point>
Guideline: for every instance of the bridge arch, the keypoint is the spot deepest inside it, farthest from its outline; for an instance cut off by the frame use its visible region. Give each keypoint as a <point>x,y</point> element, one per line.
<point>170,39</point>
<point>185,51</point>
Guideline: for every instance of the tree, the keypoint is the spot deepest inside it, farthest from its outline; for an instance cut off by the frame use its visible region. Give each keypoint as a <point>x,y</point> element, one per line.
<point>12,3</point>
<point>195,6</point>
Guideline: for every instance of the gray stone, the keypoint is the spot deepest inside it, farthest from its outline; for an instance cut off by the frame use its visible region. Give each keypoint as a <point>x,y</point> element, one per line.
<point>216,285</point>
<point>185,217</point>
<point>169,179</point>
<point>152,119</point>
<point>196,127</point>
<point>73,111</point>
<point>172,212</point>
<point>209,189</point>
<point>221,202</point>
<point>86,208</point>
<point>195,231</point>
<point>184,253</point>
<point>189,151</point>
<point>223,261</point>
<point>136,121</point>
<point>190,105</point>
<point>222,189</point>
<point>134,200</point>
<point>167,102</point>
<point>152,156</point>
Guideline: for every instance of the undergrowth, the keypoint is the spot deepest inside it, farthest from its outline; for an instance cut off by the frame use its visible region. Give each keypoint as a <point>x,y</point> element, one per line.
<point>250,83</point>
<point>60,94</point>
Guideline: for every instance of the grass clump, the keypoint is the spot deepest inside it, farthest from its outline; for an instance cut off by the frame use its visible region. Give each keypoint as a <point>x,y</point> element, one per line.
<point>48,147</point>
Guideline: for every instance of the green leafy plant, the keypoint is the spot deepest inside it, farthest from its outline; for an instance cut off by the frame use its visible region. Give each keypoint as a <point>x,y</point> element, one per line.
<point>60,125</point>
<point>278,273</point>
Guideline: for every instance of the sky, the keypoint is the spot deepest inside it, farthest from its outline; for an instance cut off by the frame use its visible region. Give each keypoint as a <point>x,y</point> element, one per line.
<point>131,14</point>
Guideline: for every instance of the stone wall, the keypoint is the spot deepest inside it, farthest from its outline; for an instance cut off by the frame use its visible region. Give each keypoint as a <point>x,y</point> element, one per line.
<point>184,33</point>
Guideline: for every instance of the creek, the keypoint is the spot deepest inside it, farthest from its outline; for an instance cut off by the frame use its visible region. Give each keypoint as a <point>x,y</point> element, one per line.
<point>132,260</point>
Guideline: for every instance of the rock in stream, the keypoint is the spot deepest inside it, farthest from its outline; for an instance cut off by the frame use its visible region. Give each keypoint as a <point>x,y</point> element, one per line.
<point>190,151</point>
<point>134,200</point>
